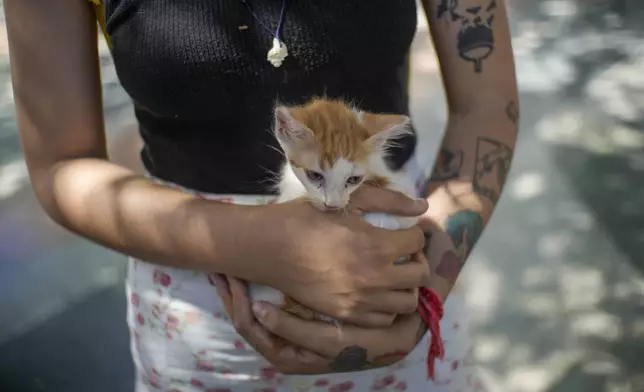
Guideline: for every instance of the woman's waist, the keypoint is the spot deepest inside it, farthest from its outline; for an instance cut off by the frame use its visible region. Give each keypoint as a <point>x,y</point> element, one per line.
<point>232,197</point>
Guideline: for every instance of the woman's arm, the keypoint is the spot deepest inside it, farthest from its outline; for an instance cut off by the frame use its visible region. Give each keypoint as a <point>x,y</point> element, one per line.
<point>57,91</point>
<point>54,66</point>
<point>472,40</point>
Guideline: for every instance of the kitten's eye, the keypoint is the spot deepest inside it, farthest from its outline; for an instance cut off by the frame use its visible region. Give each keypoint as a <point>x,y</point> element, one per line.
<point>354,180</point>
<point>314,176</point>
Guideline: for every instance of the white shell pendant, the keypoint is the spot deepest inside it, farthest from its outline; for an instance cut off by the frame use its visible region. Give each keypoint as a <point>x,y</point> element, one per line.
<point>278,53</point>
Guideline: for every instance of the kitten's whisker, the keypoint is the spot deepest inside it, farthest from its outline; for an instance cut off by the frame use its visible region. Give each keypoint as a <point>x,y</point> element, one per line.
<point>273,178</point>
<point>279,150</point>
<point>270,130</point>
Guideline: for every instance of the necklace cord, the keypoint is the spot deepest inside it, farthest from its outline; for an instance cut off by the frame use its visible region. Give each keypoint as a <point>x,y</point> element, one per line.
<point>275,33</point>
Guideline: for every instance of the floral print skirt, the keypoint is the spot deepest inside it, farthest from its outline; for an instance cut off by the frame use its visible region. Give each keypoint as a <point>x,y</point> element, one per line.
<point>183,341</point>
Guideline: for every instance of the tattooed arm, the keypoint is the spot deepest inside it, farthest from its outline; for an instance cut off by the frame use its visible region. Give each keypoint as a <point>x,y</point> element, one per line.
<point>472,40</point>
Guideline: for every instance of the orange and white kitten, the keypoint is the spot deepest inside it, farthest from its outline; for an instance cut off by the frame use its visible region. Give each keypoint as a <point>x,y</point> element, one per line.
<point>331,149</point>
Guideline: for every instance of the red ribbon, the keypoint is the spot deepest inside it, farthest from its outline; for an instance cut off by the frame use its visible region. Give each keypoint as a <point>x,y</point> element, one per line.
<point>430,309</point>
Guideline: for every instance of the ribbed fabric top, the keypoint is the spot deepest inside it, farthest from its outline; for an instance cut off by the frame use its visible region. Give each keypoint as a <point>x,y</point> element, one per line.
<point>204,92</point>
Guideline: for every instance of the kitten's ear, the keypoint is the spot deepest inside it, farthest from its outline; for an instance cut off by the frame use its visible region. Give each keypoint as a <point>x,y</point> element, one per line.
<point>288,131</point>
<point>386,129</point>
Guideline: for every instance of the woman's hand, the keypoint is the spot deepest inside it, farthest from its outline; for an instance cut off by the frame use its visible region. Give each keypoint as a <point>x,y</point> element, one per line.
<point>297,346</point>
<point>341,266</point>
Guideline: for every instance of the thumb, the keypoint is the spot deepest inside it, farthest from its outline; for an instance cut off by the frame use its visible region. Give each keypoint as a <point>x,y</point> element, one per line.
<point>369,198</point>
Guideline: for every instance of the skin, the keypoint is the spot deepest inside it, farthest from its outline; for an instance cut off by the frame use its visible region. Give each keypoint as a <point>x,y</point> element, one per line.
<point>60,120</point>
<point>331,351</point>
<point>480,137</point>
<point>467,180</point>
<point>57,92</point>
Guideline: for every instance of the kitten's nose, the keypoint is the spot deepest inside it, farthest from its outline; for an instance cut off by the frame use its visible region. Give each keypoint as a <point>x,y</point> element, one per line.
<point>331,206</point>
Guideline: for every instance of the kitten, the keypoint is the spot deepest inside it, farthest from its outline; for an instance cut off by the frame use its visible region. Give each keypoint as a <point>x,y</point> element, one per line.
<point>331,149</point>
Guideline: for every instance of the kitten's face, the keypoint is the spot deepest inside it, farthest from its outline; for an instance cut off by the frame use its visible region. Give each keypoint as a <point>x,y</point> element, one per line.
<point>329,186</point>
<point>331,147</point>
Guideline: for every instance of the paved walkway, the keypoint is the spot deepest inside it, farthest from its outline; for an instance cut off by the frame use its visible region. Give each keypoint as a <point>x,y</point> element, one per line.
<point>556,284</point>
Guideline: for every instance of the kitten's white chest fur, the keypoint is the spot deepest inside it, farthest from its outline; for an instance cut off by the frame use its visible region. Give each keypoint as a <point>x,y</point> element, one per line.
<point>290,187</point>
<point>400,182</point>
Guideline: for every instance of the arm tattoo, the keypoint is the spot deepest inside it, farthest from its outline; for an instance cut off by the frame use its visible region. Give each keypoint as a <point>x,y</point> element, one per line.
<point>354,358</point>
<point>448,165</point>
<point>475,40</point>
<point>464,228</point>
<point>493,160</point>
<point>351,359</point>
<point>449,266</point>
<point>512,111</point>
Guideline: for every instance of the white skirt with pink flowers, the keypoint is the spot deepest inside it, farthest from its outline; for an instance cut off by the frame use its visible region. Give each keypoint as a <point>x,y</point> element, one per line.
<point>183,341</point>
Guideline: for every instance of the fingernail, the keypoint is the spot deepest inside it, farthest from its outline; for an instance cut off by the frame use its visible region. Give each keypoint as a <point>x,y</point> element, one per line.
<point>421,201</point>
<point>259,310</point>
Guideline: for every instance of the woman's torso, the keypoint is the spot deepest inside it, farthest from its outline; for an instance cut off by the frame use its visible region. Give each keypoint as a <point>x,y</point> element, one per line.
<point>204,92</point>
<point>204,96</point>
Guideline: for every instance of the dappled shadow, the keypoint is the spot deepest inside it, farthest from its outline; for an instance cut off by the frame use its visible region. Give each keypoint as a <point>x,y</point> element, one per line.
<point>602,107</point>
<point>608,184</point>
<point>557,283</point>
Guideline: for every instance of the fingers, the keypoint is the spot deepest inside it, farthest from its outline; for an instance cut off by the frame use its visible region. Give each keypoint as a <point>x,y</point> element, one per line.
<point>241,302</point>
<point>244,320</point>
<point>221,285</point>
<point>330,341</point>
<point>299,331</point>
<point>380,319</point>
<point>297,360</point>
<point>349,349</point>
<point>422,259</point>
<point>409,275</point>
<point>286,357</point>
<point>388,305</point>
<point>373,199</point>
<point>396,302</point>
<point>401,243</point>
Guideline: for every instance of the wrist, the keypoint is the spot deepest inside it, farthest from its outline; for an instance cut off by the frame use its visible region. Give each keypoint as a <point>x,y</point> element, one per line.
<point>255,241</point>
<point>239,239</point>
<point>449,197</point>
<point>279,236</point>
<point>444,263</point>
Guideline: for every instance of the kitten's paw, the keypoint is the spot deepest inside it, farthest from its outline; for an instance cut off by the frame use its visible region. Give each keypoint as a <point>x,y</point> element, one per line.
<point>265,294</point>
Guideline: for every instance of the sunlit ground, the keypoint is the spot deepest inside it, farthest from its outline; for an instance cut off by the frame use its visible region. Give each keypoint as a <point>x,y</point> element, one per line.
<point>556,285</point>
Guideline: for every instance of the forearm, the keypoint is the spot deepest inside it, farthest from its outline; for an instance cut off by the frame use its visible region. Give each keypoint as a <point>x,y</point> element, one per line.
<point>467,181</point>
<point>57,91</point>
<point>128,213</point>
<point>472,40</point>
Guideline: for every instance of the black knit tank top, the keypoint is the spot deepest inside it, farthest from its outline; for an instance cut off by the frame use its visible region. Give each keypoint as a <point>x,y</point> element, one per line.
<point>204,92</point>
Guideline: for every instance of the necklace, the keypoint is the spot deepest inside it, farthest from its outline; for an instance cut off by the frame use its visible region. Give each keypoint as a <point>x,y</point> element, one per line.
<point>279,51</point>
